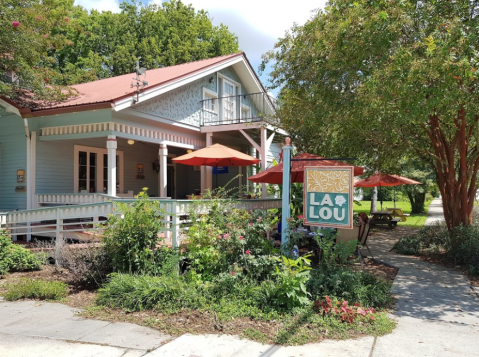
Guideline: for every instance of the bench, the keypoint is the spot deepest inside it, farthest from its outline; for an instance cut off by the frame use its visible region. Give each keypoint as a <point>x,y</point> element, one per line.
<point>390,222</point>
<point>397,212</point>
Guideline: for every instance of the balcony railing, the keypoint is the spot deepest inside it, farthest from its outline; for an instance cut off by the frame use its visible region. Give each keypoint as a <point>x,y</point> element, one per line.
<point>244,108</point>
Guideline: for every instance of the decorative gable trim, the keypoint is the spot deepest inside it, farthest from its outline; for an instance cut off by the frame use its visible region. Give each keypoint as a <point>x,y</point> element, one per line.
<point>147,94</point>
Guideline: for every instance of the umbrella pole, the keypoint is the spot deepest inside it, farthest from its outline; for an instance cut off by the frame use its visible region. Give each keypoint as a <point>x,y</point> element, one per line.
<point>381,197</point>
<point>216,176</point>
<point>394,197</point>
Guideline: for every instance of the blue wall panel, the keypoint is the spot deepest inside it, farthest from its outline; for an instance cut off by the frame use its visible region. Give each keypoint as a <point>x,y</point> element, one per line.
<point>13,157</point>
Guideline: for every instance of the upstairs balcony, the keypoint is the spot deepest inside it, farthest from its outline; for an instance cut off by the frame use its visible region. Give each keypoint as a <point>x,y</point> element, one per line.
<point>237,109</point>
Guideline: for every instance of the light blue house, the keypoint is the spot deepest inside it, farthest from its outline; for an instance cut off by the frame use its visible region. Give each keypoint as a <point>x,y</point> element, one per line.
<point>119,135</point>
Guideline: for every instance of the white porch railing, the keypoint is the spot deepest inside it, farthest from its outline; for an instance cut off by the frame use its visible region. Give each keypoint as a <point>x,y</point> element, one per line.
<point>50,221</point>
<point>71,198</point>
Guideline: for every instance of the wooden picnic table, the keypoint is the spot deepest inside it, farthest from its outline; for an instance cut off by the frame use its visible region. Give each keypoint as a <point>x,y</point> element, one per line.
<point>383,218</point>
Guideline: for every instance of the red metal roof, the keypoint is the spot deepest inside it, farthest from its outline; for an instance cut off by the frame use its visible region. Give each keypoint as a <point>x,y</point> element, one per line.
<point>114,88</point>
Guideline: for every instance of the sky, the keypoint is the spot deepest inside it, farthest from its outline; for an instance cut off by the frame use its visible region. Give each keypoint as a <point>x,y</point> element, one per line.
<point>257,23</point>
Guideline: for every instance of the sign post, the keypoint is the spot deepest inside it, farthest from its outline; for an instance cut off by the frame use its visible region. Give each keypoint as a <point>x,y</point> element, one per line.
<point>286,207</point>
<point>328,196</point>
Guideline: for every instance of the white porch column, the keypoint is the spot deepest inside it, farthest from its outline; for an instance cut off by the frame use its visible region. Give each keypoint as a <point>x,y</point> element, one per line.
<point>209,169</point>
<point>264,149</point>
<point>111,145</point>
<point>162,176</point>
<point>33,168</point>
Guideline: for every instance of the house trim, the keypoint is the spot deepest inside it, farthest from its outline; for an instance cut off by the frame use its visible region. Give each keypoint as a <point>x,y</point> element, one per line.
<point>94,130</point>
<point>149,93</point>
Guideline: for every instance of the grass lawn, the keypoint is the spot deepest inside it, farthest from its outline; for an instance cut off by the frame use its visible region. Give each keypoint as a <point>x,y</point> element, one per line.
<point>414,221</point>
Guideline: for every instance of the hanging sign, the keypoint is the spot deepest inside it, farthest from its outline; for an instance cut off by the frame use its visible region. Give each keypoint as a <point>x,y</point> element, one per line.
<point>220,170</point>
<point>328,196</point>
<point>140,172</point>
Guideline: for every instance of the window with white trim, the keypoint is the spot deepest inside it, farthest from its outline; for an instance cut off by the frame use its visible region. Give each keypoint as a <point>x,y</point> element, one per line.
<point>90,169</point>
<point>210,100</point>
<point>245,111</point>
<point>229,102</point>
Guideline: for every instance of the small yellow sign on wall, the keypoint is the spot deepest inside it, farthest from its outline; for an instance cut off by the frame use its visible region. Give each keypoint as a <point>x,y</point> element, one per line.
<point>20,175</point>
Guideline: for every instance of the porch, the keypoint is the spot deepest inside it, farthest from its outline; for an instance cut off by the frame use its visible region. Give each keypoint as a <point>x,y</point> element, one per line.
<point>92,163</point>
<point>75,221</point>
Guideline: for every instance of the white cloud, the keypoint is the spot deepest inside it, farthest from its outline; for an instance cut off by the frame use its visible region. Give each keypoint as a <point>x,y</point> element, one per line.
<point>100,5</point>
<point>266,16</point>
<point>257,23</point>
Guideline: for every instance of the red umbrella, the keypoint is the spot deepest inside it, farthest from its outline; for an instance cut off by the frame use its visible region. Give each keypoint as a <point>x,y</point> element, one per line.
<point>386,180</point>
<point>216,155</point>
<point>275,173</point>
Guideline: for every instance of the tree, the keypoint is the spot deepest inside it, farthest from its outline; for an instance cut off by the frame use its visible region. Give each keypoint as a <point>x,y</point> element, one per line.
<point>105,44</point>
<point>387,80</point>
<point>417,193</point>
<point>30,29</point>
<point>51,44</point>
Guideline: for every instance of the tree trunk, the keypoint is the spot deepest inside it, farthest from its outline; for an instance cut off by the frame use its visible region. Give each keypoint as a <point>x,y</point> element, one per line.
<point>456,165</point>
<point>417,202</point>
<point>374,199</point>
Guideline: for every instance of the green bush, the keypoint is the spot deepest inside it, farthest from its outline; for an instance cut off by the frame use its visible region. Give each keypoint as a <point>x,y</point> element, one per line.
<point>144,292</point>
<point>131,235</point>
<point>229,239</point>
<point>36,289</point>
<point>428,239</point>
<point>230,294</point>
<point>345,284</point>
<point>408,245</point>
<point>463,248</point>
<point>14,257</point>
<point>461,244</point>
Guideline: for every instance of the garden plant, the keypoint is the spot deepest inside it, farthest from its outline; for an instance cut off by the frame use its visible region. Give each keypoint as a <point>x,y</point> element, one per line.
<point>226,268</point>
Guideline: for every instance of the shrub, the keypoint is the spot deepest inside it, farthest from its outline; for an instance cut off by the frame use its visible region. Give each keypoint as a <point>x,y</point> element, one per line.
<point>345,284</point>
<point>36,289</point>
<point>143,292</point>
<point>131,235</point>
<point>408,245</point>
<point>230,294</point>
<point>342,309</point>
<point>428,239</point>
<point>463,247</point>
<point>14,257</point>
<point>291,283</point>
<point>228,239</point>
<point>88,266</point>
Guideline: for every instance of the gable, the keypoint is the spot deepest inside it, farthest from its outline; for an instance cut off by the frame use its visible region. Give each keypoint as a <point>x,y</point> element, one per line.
<point>184,104</point>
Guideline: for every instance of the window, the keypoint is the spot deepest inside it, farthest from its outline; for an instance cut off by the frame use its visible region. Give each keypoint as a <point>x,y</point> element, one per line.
<point>229,102</point>
<point>245,112</point>
<point>91,169</point>
<point>210,100</point>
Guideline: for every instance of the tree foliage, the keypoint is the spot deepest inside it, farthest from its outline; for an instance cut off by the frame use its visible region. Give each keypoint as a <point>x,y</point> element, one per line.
<point>30,30</point>
<point>386,79</point>
<point>103,45</point>
<point>50,44</point>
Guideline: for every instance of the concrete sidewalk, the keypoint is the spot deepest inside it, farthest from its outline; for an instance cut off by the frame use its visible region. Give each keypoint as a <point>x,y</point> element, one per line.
<point>31,328</point>
<point>437,315</point>
<point>437,311</point>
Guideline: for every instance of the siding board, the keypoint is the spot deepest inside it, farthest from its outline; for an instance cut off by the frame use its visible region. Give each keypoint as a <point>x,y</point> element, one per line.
<point>13,157</point>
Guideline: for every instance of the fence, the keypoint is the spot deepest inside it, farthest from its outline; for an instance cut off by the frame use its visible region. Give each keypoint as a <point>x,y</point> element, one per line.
<point>70,220</point>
